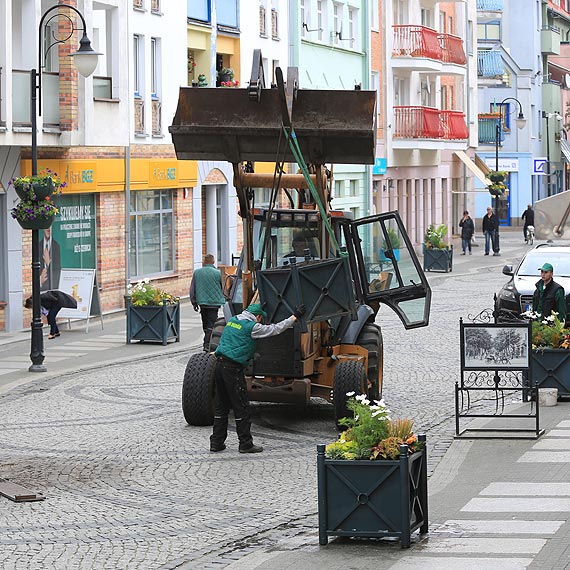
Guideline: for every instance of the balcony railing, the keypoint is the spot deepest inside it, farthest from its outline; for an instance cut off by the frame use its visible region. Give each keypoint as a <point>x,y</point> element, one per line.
<point>490,5</point>
<point>419,41</point>
<point>156,117</point>
<point>490,63</point>
<point>452,49</point>
<point>488,128</point>
<point>416,41</point>
<point>417,122</point>
<point>139,116</point>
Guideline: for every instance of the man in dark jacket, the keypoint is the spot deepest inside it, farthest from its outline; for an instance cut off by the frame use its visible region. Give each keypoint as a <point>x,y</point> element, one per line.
<point>236,348</point>
<point>491,231</point>
<point>52,302</point>
<point>549,296</point>
<point>528,217</point>
<point>467,230</point>
<point>207,296</point>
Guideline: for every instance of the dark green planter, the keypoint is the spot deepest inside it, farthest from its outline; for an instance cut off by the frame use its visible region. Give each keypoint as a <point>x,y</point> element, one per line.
<point>373,499</point>
<point>550,368</point>
<point>22,190</point>
<point>39,223</point>
<point>438,259</point>
<point>43,189</point>
<point>153,323</point>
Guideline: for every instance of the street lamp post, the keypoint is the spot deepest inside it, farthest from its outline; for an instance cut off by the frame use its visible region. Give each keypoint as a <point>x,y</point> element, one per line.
<point>521,121</point>
<point>85,60</point>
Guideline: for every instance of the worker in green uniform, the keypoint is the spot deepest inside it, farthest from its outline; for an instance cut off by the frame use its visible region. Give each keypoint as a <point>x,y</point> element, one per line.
<point>236,348</point>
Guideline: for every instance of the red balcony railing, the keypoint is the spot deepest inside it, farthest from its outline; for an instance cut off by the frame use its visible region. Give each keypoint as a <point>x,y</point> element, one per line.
<point>416,41</point>
<point>452,49</point>
<point>454,125</point>
<point>428,123</point>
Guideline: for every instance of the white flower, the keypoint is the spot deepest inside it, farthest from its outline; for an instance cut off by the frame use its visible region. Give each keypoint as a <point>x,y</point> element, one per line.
<point>349,394</point>
<point>551,318</point>
<point>361,397</point>
<point>374,414</point>
<point>356,417</point>
<point>545,322</point>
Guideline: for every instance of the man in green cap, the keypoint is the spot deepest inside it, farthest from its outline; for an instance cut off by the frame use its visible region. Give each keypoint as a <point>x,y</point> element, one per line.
<point>549,296</point>
<point>236,348</point>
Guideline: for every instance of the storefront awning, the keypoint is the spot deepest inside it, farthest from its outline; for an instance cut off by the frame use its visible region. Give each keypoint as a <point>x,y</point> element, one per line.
<point>462,156</point>
<point>565,148</point>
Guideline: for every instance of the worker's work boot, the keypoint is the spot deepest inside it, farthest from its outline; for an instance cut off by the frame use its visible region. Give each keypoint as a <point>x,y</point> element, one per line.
<point>253,449</point>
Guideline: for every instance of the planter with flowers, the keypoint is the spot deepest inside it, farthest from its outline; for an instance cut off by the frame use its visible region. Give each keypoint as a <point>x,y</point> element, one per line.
<point>153,315</point>
<point>36,210</point>
<point>498,186</point>
<point>225,74</point>
<point>372,482</point>
<point>550,355</point>
<point>438,254</point>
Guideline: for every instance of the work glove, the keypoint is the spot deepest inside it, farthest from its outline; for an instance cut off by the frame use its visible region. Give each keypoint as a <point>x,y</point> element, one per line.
<point>196,307</point>
<point>300,310</point>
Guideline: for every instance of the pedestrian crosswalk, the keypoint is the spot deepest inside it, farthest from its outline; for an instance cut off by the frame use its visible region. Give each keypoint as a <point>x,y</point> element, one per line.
<point>514,540</point>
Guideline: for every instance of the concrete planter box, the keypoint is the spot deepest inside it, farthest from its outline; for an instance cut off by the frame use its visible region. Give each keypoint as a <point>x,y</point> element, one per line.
<point>373,499</point>
<point>153,323</point>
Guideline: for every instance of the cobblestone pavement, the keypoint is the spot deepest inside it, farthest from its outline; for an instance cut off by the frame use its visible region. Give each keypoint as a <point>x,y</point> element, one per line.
<point>130,485</point>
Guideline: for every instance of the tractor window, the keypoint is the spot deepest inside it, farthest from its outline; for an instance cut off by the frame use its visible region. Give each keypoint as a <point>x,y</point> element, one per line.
<point>389,269</point>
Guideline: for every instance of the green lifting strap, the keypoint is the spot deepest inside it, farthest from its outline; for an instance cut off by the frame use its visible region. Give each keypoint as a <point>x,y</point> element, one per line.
<point>294,145</point>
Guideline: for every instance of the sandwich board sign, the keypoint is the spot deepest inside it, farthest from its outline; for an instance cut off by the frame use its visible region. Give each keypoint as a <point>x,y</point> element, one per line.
<point>81,284</point>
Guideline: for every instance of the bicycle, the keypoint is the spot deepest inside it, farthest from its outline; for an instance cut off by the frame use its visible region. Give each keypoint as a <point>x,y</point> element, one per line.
<point>529,235</point>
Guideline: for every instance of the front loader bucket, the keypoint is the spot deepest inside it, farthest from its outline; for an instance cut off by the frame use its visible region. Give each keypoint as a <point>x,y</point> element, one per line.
<point>224,124</point>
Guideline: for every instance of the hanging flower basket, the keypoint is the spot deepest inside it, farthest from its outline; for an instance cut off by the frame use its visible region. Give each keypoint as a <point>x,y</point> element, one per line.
<point>39,223</point>
<point>496,176</point>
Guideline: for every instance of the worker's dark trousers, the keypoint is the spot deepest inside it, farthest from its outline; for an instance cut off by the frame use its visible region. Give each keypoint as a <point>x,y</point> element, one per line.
<point>209,316</point>
<point>230,392</point>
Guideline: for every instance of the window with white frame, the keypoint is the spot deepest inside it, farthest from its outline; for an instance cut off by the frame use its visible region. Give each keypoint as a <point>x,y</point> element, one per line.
<point>352,27</point>
<point>321,19</point>
<point>337,23</point>
<point>374,15</point>
<point>155,67</point>
<point>304,21</point>
<point>137,64</point>
<point>151,233</point>
<point>105,39</point>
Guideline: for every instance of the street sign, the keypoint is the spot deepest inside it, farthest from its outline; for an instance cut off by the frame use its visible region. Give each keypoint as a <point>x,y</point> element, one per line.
<point>380,166</point>
<point>541,166</point>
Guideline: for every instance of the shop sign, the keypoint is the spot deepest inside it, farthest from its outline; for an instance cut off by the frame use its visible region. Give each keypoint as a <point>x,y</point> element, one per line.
<point>163,174</point>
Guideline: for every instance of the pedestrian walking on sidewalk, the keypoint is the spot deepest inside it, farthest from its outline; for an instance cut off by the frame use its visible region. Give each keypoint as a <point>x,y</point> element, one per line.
<point>51,303</point>
<point>236,348</point>
<point>467,230</point>
<point>528,217</point>
<point>491,232</point>
<point>549,296</point>
<point>207,296</point>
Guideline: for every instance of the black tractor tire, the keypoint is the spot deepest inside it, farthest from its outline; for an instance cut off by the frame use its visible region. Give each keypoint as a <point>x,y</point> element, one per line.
<point>349,376</point>
<point>370,338</point>
<point>217,333</point>
<point>198,390</point>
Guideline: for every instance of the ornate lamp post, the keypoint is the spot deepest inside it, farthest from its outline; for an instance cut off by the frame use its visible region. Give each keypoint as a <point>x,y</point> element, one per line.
<point>85,60</point>
<point>521,122</point>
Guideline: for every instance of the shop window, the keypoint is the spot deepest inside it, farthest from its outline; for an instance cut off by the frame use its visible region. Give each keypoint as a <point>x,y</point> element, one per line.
<point>151,233</point>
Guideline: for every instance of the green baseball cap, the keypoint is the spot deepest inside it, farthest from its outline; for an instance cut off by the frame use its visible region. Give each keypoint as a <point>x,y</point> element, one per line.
<point>546,267</point>
<point>256,309</point>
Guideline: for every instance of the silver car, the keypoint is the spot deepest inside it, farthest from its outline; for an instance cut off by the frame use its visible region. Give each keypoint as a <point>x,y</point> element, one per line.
<point>516,296</point>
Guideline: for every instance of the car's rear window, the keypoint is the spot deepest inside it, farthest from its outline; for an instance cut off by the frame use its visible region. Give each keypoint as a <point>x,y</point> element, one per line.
<point>559,260</point>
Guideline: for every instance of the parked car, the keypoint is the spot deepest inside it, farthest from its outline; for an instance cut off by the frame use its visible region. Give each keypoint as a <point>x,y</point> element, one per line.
<point>516,296</point>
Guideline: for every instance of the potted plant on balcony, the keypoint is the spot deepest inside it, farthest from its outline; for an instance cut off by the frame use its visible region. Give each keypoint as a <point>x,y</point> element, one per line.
<point>225,74</point>
<point>438,254</point>
<point>390,247</point>
<point>372,482</point>
<point>550,355</point>
<point>152,314</point>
